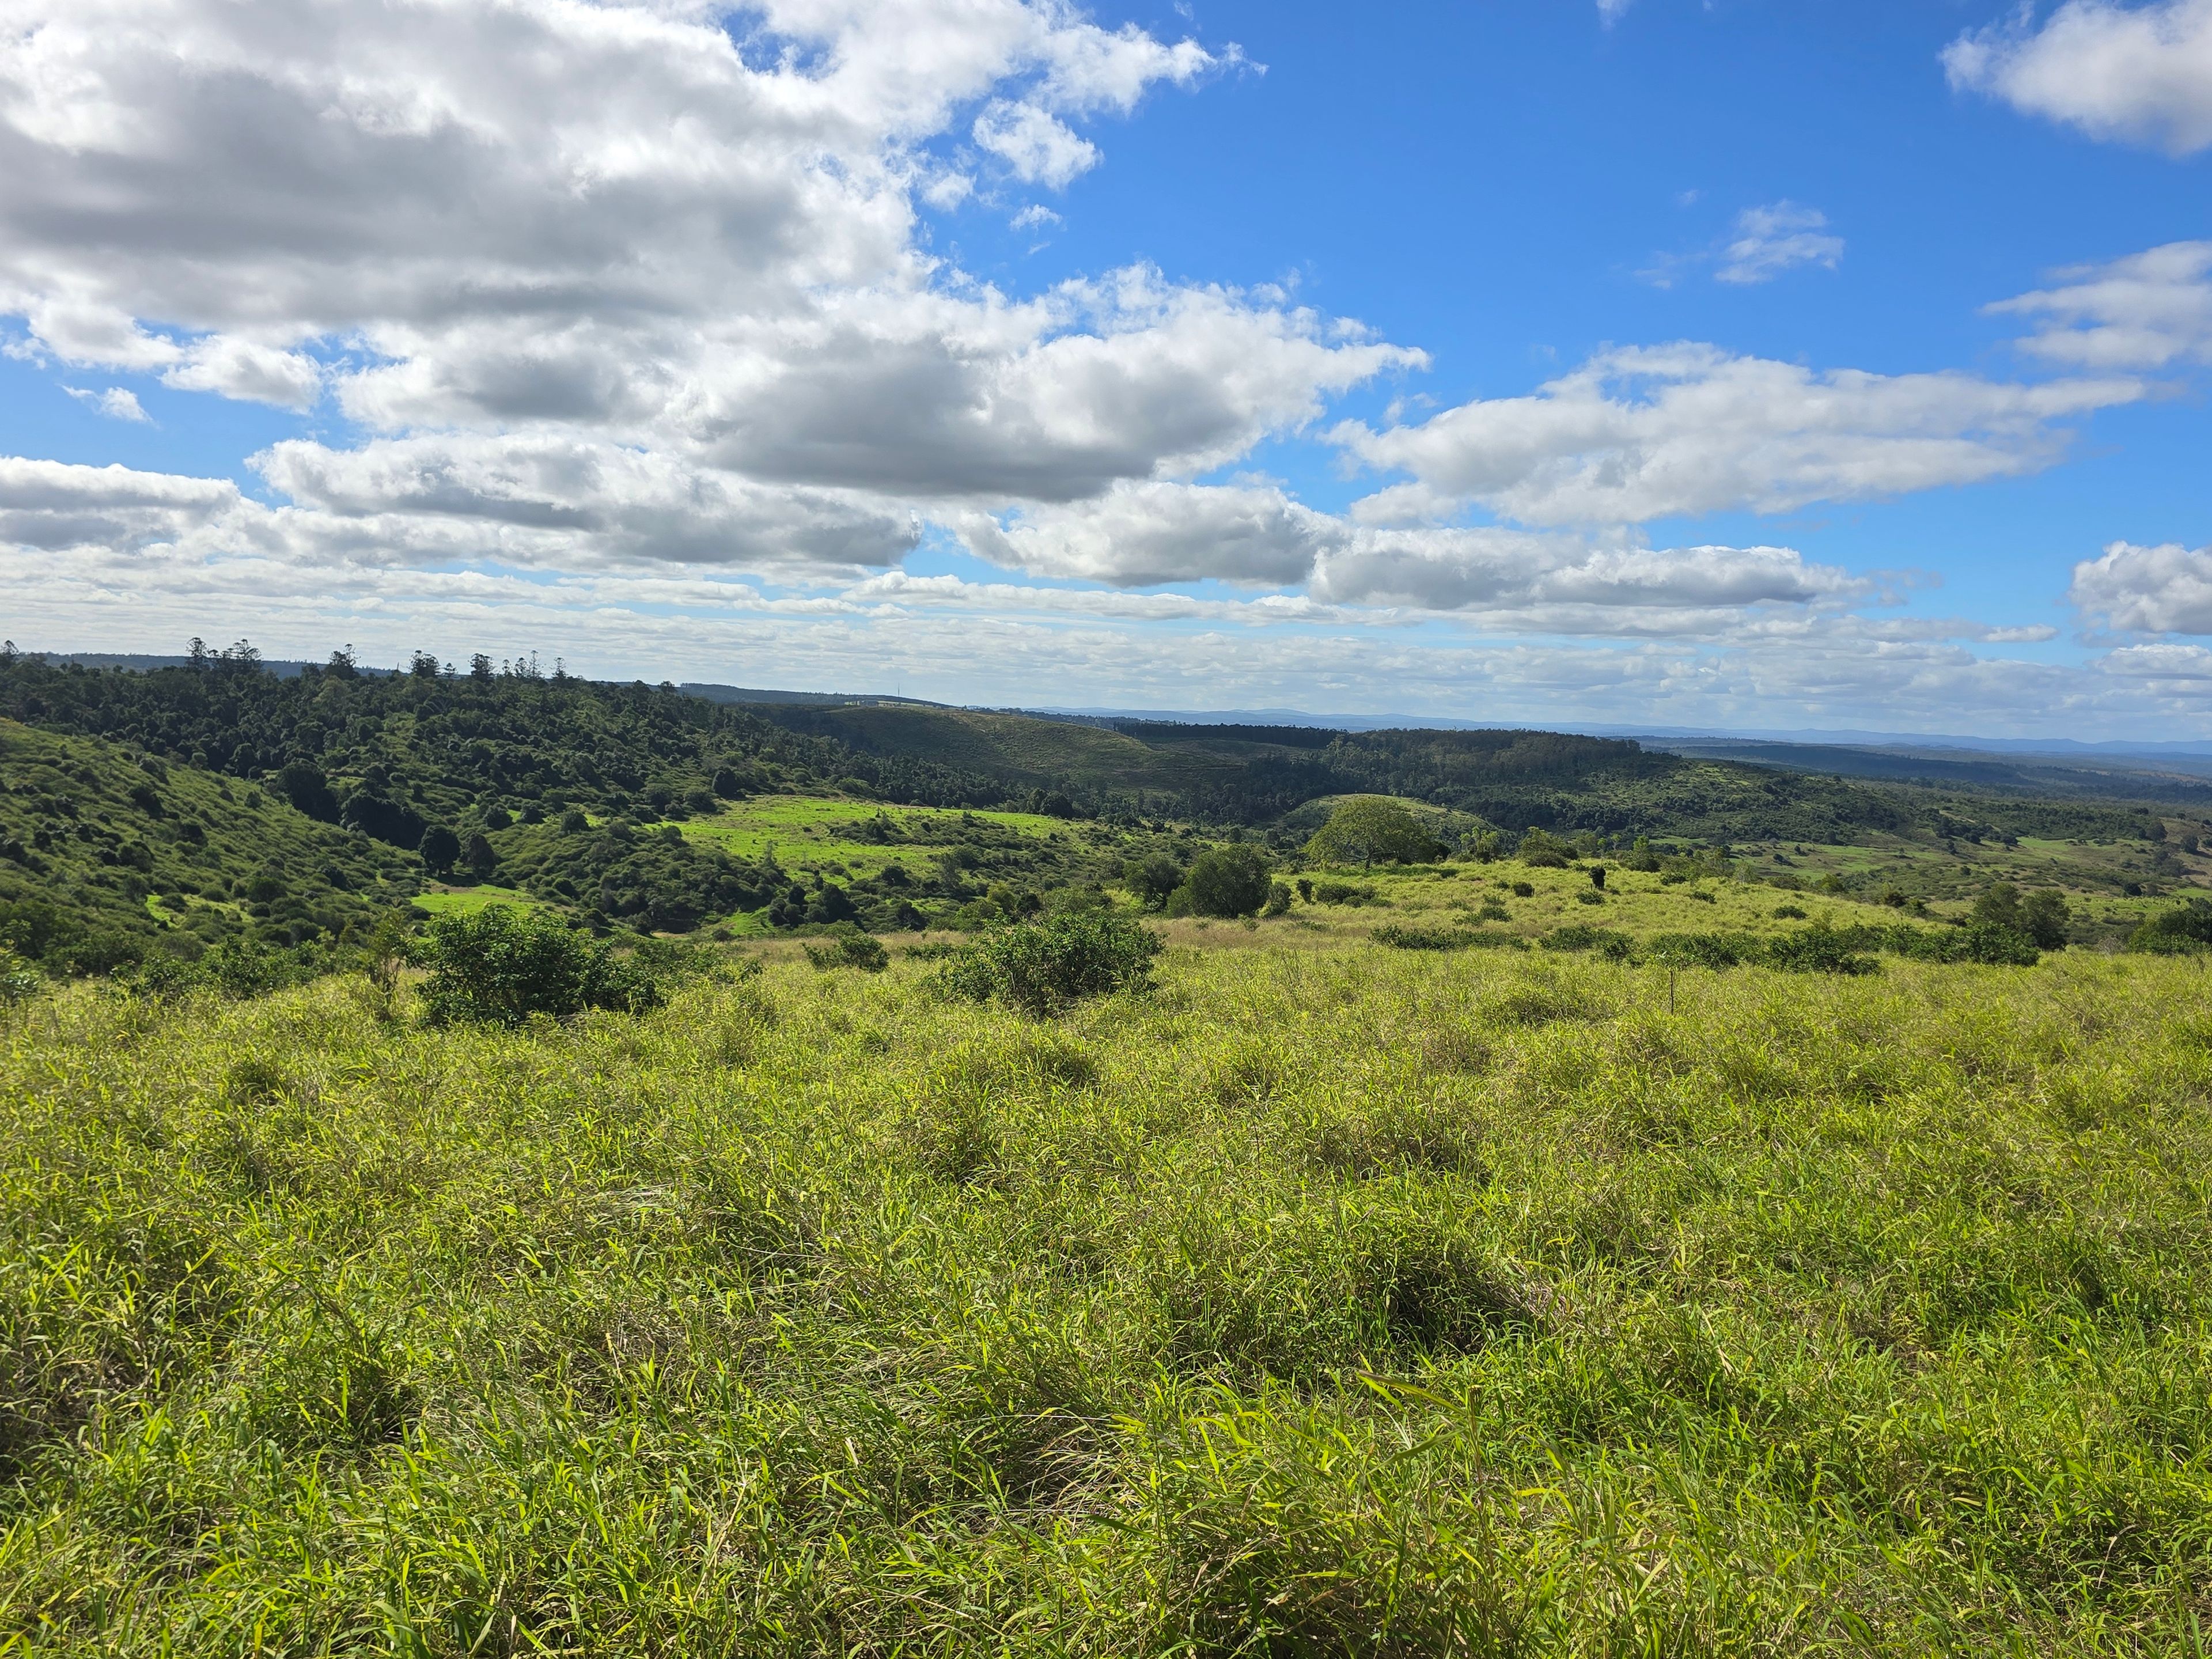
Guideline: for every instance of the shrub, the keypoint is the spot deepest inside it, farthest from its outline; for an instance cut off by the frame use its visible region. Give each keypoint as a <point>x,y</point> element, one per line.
<point>1422,939</point>
<point>237,967</point>
<point>1278,899</point>
<point>1790,913</point>
<point>1227,882</point>
<point>19,980</point>
<point>1995,946</point>
<point>2175,933</point>
<point>1524,889</point>
<point>850,948</point>
<point>1611,946</point>
<point>1817,950</point>
<point>1042,967</point>
<point>501,965</point>
<point>1589,896</point>
<point>1341,892</point>
<point>1542,852</point>
<point>2045,918</point>
<point>1703,950</point>
<point>1152,881</point>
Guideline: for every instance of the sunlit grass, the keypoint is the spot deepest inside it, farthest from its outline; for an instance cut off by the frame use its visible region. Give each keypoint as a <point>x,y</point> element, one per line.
<point>1338,1300</point>
<point>801,830</point>
<point>467,901</point>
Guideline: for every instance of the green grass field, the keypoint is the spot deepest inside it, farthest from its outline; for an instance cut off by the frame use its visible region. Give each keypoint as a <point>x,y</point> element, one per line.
<point>467,901</point>
<point>1322,1301</point>
<point>803,831</point>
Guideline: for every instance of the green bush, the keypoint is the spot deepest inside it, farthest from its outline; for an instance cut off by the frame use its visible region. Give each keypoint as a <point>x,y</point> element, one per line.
<point>1613,946</point>
<point>1817,950</point>
<point>1153,880</point>
<point>1422,939</point>
<point>2175,933</point>
<point>1342,892</point>
<point>1704,950</point>
<point>19,980</point>
<point>1542,852</point>
<point>2039,919</point>
<point>1278,899</point>
<point>503,965</point>
<point>1042,967</point>
<point>1228,881</point>
<point>850,948</point>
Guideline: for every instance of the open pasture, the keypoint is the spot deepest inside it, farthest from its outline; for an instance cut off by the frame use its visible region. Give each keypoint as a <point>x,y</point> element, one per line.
<point>808,832</point>
<point>1319,1301</point>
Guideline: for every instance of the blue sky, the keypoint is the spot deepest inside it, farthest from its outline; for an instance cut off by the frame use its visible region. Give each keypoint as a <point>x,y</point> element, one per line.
<point>1750,364</point>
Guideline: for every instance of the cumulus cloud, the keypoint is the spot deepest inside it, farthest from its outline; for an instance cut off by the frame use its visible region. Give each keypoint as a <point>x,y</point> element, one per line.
<point>2147,590</point>
<point>1143,535</point>
<point>1556,578</point>
<point>1036,147</point>
<point>53,506</point>
<point>644,225</point>
<point>1647,432</point>
<point>117,403</point>
<point>553,499</point>
<point>1772,240</point>
<point>2147,311</point>
<point>2138,74</point>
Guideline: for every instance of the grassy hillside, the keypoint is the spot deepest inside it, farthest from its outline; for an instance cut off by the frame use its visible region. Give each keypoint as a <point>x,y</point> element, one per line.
<point>108,856</point>
<point>1322,1302</point>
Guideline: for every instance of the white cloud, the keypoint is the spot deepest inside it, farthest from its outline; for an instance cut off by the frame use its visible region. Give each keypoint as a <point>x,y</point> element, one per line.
<point>563,502</point>
<point>2139,74</point>
<point>1550,579</point>
<point>52,506</point>
<point>2146,311</point>
<point>1647,432</point>
<point>1001,643</point>
<point>1036,147</point>
<point>2147,590</point>
<point>1610,11</point>
<point>1142,535</point>
<point>117,403</point>
<point>617,225</point>
<point>1034,216</point>
<point>1772,240</point>
<point>242,369</point>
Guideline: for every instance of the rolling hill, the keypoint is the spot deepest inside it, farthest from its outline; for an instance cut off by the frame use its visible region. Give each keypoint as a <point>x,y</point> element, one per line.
<point>109,855</point>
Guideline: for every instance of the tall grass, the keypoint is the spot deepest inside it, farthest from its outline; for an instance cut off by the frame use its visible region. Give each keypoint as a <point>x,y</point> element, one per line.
<point>1351,1302</point>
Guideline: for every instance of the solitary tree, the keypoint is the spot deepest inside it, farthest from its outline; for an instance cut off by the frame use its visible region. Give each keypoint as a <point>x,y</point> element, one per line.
<point>1370,827</point>
<point>439,847</point>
